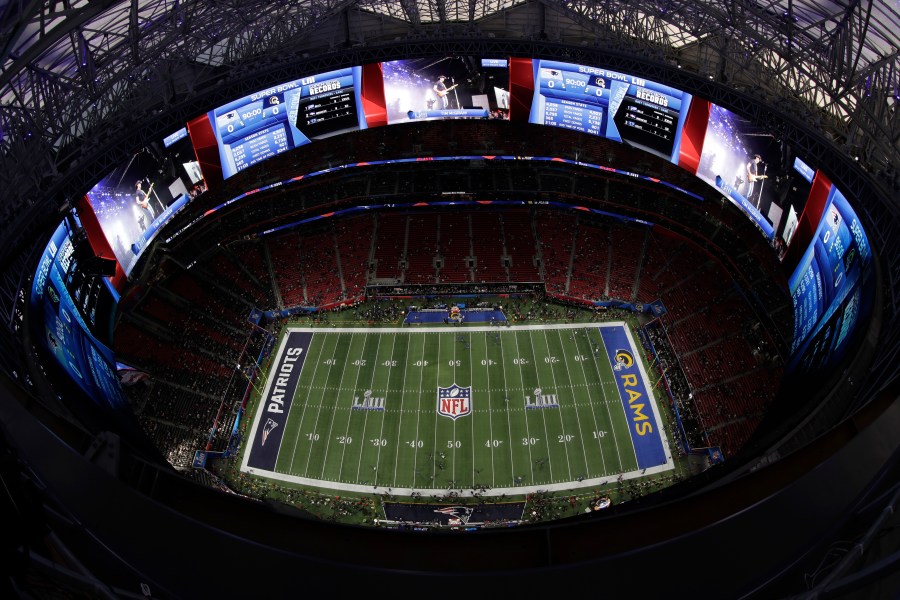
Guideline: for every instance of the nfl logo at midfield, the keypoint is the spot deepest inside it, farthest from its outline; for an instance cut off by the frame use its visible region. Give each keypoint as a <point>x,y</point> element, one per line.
<point>454,401</point>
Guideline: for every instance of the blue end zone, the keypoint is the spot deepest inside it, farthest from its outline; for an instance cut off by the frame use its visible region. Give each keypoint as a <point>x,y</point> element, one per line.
<point>642,423</point>
<point>470,315</point>
<point>276,401</point>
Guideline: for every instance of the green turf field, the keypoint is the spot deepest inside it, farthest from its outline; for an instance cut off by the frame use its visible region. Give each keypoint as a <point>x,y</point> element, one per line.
<point>336,435</point>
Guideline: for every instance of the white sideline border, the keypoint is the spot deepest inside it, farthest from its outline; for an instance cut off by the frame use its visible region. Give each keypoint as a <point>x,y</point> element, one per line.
<point>460,328</point>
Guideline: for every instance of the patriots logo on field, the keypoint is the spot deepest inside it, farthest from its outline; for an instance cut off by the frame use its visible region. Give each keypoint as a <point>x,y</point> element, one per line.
<point>454,401</point>
<point>624,360</point>
<point>267,429</point>
<point>460,514</point>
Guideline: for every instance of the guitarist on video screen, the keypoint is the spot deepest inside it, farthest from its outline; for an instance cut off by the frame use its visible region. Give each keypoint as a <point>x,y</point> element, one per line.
<point>440,88</point>
<point>755,179</point>
<point>142,199</point>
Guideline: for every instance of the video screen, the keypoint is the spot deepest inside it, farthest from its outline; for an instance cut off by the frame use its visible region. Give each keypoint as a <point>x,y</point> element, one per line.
<point>832,288</point>
<point>624,108</point>
<point>137,198</point>
<point>446,88</point>
<point>275,120</point>
<point>172,138</point>
<point>753,169</point>
<point>792,194</point>
<point>66,311</point>
<point>192,168</point>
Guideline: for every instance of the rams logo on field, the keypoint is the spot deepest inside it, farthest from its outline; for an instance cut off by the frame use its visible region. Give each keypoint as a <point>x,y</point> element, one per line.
<point>624,360</point>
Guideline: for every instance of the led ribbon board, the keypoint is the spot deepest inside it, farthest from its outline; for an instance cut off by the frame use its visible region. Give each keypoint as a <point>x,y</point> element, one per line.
<point>620,107</point>
<point>259,126</point>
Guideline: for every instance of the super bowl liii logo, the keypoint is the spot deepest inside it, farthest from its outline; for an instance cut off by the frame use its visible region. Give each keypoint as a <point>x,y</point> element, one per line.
<point>541,400</point>
<point>369,402</point>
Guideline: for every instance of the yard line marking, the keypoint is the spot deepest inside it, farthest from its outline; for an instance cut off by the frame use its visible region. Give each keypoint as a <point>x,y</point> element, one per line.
<point>400,421</point>
<point>334,412</point>
<point>453,450</point>
<point>472,420</point>
<point>490,412</point>
<point>418,415</point>
<point>350,412</point>
<point>611,423</point>
<point>527,430</point>
<point>322,404</point>
<point>509,437</point>
<point>543,412</point>
<point>593,413</point>
<point>303,411</point>
<point>560,410</point>
<point>577,416</point>
<point>437,383</point>
<point>366,417</point>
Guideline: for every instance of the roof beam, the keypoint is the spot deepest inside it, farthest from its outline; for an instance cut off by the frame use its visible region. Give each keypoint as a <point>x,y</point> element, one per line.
<point>73,20</point>
<point>133,32</point>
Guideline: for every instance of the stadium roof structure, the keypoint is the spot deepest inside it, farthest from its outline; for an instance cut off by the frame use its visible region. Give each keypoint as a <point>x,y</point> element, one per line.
<point>69,67</point>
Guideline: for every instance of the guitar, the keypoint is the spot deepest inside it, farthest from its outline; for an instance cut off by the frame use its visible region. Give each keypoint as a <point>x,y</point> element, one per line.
<point>447,91</point>
<point>146,201</point>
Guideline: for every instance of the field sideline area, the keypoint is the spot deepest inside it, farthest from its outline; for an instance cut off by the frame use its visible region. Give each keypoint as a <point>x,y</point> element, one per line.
<point>423,409</point>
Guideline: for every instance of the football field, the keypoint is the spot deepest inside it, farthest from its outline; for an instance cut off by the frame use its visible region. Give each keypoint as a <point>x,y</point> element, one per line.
<point>513,409</point>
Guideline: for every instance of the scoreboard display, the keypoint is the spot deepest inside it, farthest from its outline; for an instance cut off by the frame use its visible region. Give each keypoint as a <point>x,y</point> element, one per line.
<point>327,104</point>
<point>617,106</point>
<point>63,327</point>
<point>264,124</point>
<point>826,287</point>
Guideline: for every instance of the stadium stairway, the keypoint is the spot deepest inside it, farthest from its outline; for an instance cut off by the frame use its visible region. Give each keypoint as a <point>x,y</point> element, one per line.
<point>270,268</point>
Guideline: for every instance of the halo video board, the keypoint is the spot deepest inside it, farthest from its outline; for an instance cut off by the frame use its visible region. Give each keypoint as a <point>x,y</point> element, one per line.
<point>829,286</point>
<point>64,318</point>
<point>271,121</point>
<point>445,88</point>
<point>137,198</point>
<point>618,106</point>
